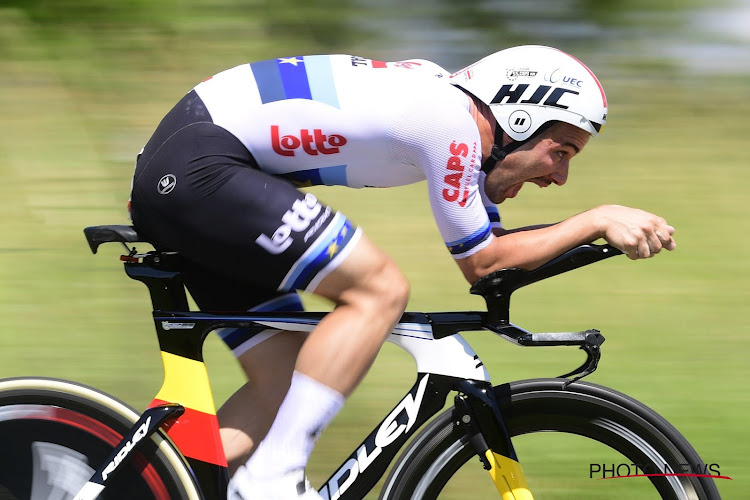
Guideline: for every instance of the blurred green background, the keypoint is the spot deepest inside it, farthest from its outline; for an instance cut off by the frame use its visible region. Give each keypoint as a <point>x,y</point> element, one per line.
<point>83,83</point>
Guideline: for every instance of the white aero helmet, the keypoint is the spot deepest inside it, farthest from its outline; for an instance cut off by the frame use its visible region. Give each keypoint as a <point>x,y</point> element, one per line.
<point>528,86</point>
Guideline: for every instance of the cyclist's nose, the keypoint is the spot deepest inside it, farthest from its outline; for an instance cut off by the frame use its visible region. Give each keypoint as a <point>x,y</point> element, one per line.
<point>560,175</point>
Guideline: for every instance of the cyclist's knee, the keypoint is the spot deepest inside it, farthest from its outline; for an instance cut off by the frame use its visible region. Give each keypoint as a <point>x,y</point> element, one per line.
<point>382,288</point>
<point>383,292</point>
<point>392,287</point>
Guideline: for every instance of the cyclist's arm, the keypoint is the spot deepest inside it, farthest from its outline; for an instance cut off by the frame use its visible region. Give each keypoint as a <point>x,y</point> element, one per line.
<point>450,158</point>
<point>637,233</point>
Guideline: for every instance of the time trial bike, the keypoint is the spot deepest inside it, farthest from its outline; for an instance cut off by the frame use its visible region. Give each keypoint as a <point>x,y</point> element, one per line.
<point>61,439</point>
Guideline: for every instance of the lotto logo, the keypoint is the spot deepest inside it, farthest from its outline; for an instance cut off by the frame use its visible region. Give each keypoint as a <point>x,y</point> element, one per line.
<point>297,219</point>
<point>312,143</point>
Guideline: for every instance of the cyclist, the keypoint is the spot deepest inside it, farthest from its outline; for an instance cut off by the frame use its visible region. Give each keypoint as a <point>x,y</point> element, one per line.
<point>213,183</point>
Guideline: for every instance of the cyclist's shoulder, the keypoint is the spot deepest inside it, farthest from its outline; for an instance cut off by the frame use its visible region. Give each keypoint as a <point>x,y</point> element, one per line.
<point>435,116</point>
<point>333,66</point>
<point>364,81</point>
<point>343,81</point>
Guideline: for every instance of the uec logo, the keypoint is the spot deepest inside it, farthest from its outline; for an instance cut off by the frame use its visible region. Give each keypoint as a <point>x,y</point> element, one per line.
<point>556,76</point>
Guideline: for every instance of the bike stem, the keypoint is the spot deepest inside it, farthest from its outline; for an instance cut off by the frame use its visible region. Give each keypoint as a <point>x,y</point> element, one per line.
<point>497,287</point>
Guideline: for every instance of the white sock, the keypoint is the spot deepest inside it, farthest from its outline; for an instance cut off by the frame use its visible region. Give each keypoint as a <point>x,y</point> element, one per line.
<point>307,409</point>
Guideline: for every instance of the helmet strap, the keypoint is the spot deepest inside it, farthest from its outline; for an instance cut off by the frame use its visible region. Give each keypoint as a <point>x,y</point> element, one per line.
<point>499,153</point>
<point>496,155</point>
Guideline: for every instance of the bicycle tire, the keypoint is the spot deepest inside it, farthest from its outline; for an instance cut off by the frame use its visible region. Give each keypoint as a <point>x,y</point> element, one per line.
<point>635,431</point>
<point>56,433</point>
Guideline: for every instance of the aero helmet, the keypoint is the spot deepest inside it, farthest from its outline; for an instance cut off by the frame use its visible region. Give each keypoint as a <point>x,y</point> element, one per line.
<point>529,86</point>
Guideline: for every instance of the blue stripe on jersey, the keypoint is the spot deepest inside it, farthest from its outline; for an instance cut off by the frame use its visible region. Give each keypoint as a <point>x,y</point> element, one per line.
<point>466,244</point>
<point>303,178</point>
<point>334,239</point>
<point>339,241</point>
<point>268,80</point>
<point>333,176</point>
<point>493,213</point>
<point>320,76</point>
<point>329,176</point>
<point>309,77</point>
<point>294,78</point>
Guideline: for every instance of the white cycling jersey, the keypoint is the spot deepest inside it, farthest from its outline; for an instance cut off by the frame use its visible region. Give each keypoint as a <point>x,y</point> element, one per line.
<point>346,120</point>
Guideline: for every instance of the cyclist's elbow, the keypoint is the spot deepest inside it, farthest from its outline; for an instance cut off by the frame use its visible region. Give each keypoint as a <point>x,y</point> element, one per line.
<point>473,268</point>
<point>492,258</point>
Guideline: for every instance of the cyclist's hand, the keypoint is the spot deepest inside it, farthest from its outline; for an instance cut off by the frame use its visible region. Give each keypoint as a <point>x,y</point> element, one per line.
<point>638,234</point>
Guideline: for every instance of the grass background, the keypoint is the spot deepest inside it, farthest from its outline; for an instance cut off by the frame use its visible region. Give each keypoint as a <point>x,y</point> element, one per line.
<point>75,113</point>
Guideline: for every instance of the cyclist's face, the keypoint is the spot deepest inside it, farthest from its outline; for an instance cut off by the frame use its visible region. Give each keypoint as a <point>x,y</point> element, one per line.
<point>542,161</point>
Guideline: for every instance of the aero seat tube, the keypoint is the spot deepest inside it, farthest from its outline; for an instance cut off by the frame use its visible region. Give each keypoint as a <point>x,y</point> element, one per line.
<point>166,287</point>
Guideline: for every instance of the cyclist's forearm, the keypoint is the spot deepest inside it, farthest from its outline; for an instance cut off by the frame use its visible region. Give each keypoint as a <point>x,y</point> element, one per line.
<point>530,247</point>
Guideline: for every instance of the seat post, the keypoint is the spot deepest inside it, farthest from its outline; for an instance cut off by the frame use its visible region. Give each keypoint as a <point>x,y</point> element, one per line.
<point>167,288</point>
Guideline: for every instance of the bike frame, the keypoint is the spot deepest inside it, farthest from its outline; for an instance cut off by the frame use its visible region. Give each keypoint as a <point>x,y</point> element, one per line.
<point>184,405</point>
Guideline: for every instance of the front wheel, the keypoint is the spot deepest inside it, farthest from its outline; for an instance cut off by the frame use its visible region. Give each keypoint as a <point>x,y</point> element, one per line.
<point>650,458</point>
<point>55,434</point>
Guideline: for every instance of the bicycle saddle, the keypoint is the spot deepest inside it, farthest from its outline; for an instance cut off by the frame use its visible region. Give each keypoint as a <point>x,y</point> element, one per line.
<point>96,235</point>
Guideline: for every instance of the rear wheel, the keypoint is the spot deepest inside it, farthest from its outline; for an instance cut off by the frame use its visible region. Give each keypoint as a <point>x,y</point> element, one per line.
<point>55,434</point>
<point>548,425</point>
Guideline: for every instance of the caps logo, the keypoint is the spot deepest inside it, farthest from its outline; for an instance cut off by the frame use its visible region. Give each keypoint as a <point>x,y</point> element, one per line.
<point>455,176</point>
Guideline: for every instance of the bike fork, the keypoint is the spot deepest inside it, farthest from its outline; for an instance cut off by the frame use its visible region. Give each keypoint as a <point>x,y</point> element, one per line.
<point>477,412</point>
<point>149,422</point>
<point>184,408</point>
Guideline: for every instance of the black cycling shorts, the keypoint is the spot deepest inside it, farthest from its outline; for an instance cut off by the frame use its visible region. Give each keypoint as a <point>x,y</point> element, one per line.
<point>249,238</point>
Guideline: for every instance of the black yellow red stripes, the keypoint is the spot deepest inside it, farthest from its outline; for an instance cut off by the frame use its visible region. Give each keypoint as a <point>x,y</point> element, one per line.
<point>196,432</point>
